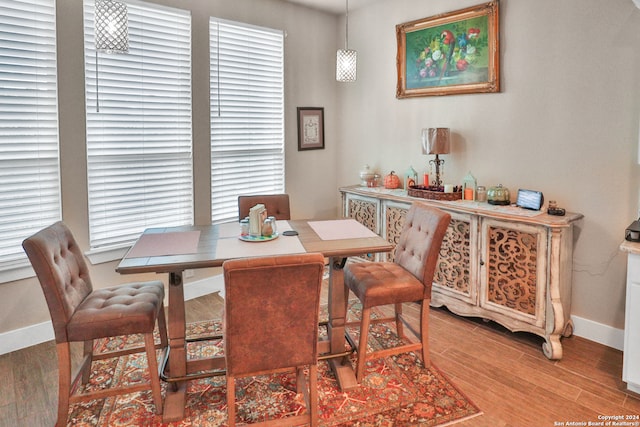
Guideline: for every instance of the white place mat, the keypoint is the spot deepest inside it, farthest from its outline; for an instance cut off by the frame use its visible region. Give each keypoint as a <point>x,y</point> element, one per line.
<point>339,229</point>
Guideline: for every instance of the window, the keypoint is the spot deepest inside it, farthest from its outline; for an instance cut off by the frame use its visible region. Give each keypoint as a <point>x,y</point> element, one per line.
<point>29,166</point>
<point>139,156</point>
<point>247,114</point>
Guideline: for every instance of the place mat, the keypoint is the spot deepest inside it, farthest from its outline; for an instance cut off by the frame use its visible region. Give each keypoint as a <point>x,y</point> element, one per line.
<point>171,243</point>
<point>341,229</point>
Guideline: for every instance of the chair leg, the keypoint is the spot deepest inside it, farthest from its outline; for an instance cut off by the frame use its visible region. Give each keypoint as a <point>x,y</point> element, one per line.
<point>231,401</point>
<point>362,346</point>
<point>399,324</point>
<point>64,382</point>
<point>424,332</point>
<point>88,354</point>
<point>154,376</point>
<point>162,327</point>
<point>313,394</point>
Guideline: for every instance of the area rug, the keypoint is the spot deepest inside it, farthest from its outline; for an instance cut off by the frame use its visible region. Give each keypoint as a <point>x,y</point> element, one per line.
<point>396,391</point>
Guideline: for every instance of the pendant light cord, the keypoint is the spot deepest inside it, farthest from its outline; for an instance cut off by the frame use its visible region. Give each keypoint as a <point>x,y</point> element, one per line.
<point>346,33</point>
<point>97,101</point>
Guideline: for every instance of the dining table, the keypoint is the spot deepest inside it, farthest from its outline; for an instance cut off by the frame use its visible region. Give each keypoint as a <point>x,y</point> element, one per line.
<point>173,250</point>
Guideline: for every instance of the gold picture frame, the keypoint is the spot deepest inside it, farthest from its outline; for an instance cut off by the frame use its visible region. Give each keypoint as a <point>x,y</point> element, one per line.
<point>452,53</point>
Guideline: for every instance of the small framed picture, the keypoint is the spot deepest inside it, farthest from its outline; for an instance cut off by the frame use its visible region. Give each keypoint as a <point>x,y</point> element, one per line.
<point>310,128</point>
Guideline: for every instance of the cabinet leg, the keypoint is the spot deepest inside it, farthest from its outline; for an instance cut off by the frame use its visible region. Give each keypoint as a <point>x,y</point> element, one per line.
<point>552,348</point>
<point>568,329</point>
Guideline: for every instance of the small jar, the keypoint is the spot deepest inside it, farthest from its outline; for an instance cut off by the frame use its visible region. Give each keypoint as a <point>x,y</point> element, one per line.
<point>244,227</point>
<point>274,225</point>
<point>267,228</point>
<point>481,193</point>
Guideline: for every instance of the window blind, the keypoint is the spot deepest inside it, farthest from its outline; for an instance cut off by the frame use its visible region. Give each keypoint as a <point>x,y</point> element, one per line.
<point>247,114</point>
<point>139,156</point>
<point>29,166</point>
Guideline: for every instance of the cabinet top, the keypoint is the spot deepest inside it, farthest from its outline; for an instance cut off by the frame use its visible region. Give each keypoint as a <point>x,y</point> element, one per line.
<point>630,247</point>
<point>512,213</point>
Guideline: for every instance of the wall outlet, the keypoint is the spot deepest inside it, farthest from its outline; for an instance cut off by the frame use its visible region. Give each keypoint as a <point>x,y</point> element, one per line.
<point>189,273</point>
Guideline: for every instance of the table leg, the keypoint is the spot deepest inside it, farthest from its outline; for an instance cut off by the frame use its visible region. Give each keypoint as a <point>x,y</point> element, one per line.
<point>176,392</point>
<point>338,295</point>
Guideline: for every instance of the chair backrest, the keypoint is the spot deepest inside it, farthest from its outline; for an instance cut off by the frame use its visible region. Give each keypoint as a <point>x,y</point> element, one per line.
<point>277,205</point>
<point>418,248</point>
<point>62,271</point>
<point>271,312</point>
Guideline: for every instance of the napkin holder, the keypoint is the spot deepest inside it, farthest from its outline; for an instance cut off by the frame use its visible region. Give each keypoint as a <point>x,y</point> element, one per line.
<point>257,215</point>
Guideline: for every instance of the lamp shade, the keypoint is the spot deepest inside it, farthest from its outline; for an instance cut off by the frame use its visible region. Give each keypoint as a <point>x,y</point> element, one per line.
<point>435,141</point>
<point>111,26</point>
<point>346,65</point>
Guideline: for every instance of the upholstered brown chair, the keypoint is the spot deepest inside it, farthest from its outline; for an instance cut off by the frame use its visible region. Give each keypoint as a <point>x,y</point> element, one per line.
<point>271,324</point>
<point>81,314</point>
<point>277,205</point>
<point>407,279</point>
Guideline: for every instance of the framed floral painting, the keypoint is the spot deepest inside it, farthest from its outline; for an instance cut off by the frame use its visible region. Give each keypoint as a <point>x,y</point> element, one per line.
<point>451,53</point>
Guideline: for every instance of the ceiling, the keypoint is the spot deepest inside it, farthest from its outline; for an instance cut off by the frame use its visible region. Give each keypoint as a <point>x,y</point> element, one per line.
<point>336,7</point>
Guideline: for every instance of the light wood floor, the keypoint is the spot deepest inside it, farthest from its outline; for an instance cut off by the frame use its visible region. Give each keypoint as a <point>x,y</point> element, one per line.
<point>504,373</point>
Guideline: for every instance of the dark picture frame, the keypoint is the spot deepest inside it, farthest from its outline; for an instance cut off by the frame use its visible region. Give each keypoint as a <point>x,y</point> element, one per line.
<point>452,53</point>
<point>310,128</point>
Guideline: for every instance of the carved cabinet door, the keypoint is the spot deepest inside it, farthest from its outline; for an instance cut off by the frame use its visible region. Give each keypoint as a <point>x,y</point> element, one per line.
<point>513,271</point>
<point>456,273</point>
<point>365,210</point>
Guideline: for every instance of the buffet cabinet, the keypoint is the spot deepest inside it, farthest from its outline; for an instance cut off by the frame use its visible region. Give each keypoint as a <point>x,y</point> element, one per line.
<point>500,263</point>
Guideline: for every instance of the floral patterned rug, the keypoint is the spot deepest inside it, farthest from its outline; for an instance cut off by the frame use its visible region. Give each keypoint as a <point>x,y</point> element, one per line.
<point>396,391</point>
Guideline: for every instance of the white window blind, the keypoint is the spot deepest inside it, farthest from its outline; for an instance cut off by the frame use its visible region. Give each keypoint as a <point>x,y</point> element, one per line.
<point>139,156</point>
<point>247,114</point>
<point>29,167</point>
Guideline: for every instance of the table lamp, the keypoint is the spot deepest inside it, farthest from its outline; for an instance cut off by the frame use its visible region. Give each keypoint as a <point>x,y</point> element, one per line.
<point>436,141</point>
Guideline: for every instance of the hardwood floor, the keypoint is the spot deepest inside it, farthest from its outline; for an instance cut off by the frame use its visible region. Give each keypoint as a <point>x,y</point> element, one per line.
<point>504,373</point>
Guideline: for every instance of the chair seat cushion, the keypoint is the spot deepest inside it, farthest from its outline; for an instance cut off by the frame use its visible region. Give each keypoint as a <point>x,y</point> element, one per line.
<point>380,283</point>
<point>119,310</point>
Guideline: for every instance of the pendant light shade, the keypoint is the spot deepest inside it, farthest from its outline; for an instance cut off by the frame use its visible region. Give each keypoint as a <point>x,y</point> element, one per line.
<point>346,59</point>
<point>111,32</point>
<point>111,26</point>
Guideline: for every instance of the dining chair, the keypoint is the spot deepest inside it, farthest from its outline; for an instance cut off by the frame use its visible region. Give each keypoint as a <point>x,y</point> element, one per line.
<point>407,279</point>
<point>277,205</point>
<point>271,324</point>
<point>81,314</point>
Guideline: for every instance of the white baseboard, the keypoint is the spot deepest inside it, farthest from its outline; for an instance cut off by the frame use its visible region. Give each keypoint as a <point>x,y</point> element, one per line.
<point>42,332</point>
<point>598,332</point>
<point>25,337</point>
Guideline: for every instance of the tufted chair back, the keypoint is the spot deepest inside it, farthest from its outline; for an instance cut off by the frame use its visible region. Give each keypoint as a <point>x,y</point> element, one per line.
<point>277,205</point>
<point>271,323</point>
<point>62,271</point>
<point>419,246</point>
<point>271,312</point>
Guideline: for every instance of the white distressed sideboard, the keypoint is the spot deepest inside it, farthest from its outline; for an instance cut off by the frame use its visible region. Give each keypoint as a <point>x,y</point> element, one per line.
<point>501,263</point>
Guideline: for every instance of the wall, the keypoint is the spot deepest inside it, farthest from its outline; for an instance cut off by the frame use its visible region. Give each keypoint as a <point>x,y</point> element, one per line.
<point>565,122</point>
<point>309,81</point>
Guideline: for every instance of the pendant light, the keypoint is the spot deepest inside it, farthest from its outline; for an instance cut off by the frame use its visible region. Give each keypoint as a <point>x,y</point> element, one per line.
<point>346,59</point>
<point>111,31</point>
